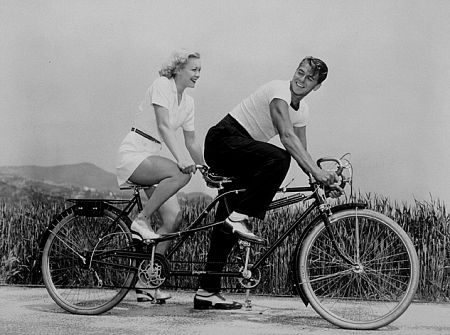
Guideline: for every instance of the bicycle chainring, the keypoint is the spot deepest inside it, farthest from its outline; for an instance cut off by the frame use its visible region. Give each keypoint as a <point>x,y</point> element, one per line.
<point>250,279</point>
<point>153,276</point>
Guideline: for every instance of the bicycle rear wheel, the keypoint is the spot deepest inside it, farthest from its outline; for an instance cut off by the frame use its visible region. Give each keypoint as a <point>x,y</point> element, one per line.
<point>80,269</point>
<point>377,288</point>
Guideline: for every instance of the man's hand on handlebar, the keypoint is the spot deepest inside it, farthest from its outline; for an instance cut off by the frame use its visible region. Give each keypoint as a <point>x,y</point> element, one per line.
<point>336,191</point>
<point>330,179</point>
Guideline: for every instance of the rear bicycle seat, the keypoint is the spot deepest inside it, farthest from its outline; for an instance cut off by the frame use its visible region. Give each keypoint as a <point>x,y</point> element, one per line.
<point>129,185</point>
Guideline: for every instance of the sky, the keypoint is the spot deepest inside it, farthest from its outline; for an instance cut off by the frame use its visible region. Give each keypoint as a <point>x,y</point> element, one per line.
<point>72,74</point>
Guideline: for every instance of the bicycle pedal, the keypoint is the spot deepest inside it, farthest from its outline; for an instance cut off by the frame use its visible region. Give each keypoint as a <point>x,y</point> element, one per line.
<point>243,243</point>
<point>159,301</point>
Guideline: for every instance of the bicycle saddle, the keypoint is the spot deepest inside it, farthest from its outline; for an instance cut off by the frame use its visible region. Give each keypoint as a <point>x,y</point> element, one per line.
<point>214,180</point>
<point>130,185</point>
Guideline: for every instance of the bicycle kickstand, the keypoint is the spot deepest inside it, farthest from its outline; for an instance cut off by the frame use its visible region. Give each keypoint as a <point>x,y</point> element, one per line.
<point>247,302</point>
<point>246,273</point>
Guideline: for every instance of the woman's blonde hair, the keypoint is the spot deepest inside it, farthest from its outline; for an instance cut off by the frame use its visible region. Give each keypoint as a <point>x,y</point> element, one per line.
<point>178,59</point>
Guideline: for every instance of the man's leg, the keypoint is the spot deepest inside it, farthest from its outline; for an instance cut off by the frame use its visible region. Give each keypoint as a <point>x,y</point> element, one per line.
<point>221,244</point>
<point>261,167</point>
<point>261,185</point>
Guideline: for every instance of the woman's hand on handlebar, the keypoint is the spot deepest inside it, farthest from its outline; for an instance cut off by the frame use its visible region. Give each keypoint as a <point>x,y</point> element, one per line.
<point>192,168</point>
<point>186,167</point>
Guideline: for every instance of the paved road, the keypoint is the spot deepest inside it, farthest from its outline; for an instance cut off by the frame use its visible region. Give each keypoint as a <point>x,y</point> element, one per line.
<point>31,311</point>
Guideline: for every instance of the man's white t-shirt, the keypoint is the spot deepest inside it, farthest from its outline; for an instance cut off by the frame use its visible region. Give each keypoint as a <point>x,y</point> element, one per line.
<point>163,92</point>
<point>253,113</point>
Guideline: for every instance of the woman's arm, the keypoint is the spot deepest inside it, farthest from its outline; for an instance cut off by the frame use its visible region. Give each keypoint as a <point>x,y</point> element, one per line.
<point>168,135</point>
<point>193,147</point>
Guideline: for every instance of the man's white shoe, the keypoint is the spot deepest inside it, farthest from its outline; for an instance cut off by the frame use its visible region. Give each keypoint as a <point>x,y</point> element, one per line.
<point>241,230</point>
<point>206,300</point>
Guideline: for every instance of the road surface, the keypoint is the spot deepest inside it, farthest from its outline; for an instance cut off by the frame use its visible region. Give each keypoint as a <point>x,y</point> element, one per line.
<point>25,310</point>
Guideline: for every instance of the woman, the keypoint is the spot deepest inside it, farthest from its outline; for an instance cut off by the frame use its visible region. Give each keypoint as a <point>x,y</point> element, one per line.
<point>165,108</point>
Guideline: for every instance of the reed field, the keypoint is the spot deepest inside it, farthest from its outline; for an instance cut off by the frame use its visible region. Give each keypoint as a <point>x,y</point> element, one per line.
<point>22,224</point>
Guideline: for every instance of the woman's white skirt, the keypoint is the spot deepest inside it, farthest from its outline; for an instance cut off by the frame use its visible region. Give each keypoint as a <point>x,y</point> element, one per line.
<point>132,151</point>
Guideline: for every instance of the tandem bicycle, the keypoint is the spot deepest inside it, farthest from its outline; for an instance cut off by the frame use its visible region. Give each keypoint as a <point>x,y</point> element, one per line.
<point>357,268</point>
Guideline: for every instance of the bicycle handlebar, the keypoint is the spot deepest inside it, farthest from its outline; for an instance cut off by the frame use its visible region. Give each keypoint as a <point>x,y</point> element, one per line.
<point>340,167</point>
<point>216,181</point>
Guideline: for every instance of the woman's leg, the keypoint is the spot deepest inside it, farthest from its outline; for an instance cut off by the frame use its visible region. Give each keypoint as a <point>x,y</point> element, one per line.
<point>169,179</point>
<point>164,172</point>
<point>170,213</point>
<point>161,198</point>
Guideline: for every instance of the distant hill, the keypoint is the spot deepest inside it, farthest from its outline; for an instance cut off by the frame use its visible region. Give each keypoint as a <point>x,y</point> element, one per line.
<point>66,181</point>
<point>79,175</point>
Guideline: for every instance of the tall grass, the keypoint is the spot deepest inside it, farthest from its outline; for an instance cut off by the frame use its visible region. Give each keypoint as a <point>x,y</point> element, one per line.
<point>427,223</point>
<point>21,226</point>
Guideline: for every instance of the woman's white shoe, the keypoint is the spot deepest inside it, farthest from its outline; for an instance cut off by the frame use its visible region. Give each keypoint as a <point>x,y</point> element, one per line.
<point>155,296</point>
<point>141,231</point>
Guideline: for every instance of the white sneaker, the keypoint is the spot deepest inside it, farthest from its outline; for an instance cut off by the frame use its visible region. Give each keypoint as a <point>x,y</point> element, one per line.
<point>141,231</point>
<point>156,296</point>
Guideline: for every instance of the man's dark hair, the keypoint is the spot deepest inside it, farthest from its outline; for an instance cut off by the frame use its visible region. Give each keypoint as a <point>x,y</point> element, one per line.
<point>318,66</point>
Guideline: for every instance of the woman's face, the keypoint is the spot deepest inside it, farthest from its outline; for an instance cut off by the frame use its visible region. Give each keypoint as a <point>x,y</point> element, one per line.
<point>189,74</point>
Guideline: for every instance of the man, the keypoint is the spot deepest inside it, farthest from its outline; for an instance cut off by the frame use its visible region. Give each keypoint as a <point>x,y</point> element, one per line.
<point>237,146</point>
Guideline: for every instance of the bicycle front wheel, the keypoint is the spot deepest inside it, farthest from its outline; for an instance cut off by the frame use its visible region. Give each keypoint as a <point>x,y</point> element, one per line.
<point>81,268</point>
<point>377,282</point>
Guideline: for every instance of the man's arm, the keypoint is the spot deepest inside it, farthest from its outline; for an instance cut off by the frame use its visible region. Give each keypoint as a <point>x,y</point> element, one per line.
<point>279,111</point>
<point>301,134</point>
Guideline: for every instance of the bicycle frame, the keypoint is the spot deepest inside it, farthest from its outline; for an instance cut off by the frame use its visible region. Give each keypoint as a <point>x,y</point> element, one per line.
<point>316,194</point>
<point>95,207</point>
<point>285,201</point>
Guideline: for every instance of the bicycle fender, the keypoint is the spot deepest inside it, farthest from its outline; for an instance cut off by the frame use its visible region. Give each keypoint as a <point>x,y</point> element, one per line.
<point>35,268</point>
<point>350,205</point>
<point>82,207</point>
<point>52,225</point>
<point>338,208</point>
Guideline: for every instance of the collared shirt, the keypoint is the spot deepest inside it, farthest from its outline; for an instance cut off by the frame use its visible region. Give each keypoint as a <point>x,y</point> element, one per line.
<point>253,113</point>
<point>163,92</point>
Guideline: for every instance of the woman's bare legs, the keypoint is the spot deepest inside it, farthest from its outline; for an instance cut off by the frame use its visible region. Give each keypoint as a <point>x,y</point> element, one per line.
<point>164,172</point>
<point>169,179</point>
<point>170,213</point>
<point>162,198</point>
<point>170,216</point>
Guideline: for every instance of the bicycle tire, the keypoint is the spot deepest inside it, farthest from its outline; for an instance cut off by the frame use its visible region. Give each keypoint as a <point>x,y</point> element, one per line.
<point>370,295</point>
<point>75,276</point>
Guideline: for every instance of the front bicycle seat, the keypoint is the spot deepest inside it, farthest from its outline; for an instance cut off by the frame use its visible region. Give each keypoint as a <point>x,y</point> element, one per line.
<point>214,180</point>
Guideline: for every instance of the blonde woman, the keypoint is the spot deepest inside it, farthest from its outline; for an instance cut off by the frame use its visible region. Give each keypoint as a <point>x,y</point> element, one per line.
<point>166,107</point>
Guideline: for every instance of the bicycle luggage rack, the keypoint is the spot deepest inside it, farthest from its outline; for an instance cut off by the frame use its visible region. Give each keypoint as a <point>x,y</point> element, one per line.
<point>88,207</point>
<point>93,207</point>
